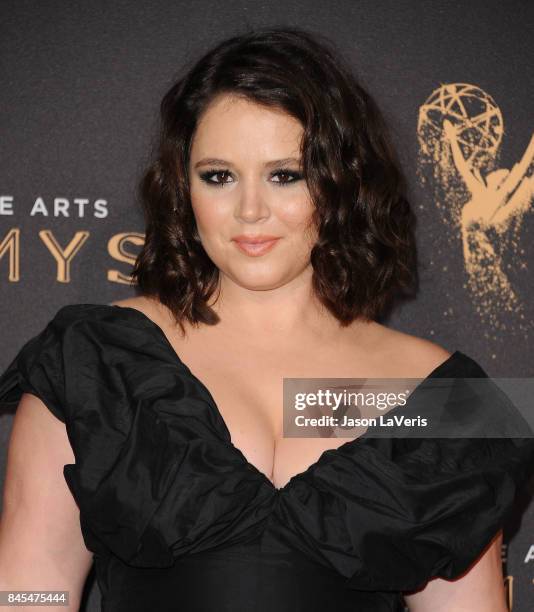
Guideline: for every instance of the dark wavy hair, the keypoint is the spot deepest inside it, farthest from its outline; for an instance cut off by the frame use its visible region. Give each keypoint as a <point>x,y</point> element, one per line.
<point>365,253</point>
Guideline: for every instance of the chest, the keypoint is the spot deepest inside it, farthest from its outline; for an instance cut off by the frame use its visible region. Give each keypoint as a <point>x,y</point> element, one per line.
<point>249,393</point>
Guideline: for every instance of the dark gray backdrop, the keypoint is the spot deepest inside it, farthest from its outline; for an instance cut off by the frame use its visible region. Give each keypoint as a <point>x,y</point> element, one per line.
<point>81,85</point>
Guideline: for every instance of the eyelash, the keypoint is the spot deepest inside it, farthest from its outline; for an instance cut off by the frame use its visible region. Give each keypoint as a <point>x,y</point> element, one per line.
<point>206,176</point>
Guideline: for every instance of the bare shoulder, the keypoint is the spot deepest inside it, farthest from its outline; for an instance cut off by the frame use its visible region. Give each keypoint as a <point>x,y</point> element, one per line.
<point>410,356</point>
<point>146,305</point>
<point>138,301</point>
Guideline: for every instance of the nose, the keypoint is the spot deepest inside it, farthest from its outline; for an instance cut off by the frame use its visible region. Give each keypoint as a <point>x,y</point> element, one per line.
<point>251,205</point>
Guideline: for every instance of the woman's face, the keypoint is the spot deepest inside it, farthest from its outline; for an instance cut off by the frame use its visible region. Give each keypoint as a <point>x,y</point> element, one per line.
<point>246,181</point>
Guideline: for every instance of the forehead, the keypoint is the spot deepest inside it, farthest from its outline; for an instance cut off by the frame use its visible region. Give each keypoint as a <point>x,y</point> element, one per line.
<point>238,126</point>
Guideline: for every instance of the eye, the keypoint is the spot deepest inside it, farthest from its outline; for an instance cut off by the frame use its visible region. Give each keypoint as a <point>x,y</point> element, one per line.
<point>288,177</point>
<point>209,174</point>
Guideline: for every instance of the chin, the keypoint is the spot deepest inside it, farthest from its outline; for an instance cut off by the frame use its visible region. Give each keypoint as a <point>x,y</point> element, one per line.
<point>256,281</point>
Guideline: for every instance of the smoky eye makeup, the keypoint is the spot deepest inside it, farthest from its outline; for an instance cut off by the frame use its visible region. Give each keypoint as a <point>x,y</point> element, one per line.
<point>209,176</point>
<point>283,176</point>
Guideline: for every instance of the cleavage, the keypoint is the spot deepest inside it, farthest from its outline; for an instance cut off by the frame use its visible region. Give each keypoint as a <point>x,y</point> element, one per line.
<point>251,407</point>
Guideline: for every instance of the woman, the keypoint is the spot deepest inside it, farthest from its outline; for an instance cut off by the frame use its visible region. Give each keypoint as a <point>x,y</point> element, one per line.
<point>276,234</point>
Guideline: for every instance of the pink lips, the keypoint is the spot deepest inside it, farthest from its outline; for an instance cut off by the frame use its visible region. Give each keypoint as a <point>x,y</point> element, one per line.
<point>255,246</point>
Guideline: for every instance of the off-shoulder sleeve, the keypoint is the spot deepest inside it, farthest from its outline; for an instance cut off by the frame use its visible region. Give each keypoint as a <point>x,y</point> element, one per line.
<point>38,369</point>
<point>392,523</point>
<point>390,513</point>
<point>155,475</point>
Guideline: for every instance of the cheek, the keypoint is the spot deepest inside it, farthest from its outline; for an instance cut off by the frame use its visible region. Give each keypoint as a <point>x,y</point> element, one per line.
<point>209,217</point>
<point>297,216</point>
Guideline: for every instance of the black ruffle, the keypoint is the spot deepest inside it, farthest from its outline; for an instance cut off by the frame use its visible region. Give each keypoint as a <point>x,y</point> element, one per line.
<point>390,521</point>
<point>154,475</point>
<point>38,369</point>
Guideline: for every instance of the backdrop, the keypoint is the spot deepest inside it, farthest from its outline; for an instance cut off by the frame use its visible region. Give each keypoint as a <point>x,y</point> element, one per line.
<point>82,82</point>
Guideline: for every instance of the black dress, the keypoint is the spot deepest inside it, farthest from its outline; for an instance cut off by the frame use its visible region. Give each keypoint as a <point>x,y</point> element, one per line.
<point>179,520</point>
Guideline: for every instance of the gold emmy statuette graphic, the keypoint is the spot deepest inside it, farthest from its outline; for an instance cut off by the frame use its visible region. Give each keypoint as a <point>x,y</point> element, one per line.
<point>460,130</point>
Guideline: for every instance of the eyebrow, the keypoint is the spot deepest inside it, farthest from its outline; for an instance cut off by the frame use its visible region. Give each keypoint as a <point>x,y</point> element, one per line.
<point>214,161</point>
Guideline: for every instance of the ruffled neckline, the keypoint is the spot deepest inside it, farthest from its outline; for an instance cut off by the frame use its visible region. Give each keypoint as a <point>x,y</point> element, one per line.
<point>439,371</point>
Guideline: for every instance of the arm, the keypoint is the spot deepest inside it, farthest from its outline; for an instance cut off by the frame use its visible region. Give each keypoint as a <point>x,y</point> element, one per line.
<point>475,184</point>
<point>41,544</point>
<point>480,589</point>
<point>518,171</point>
